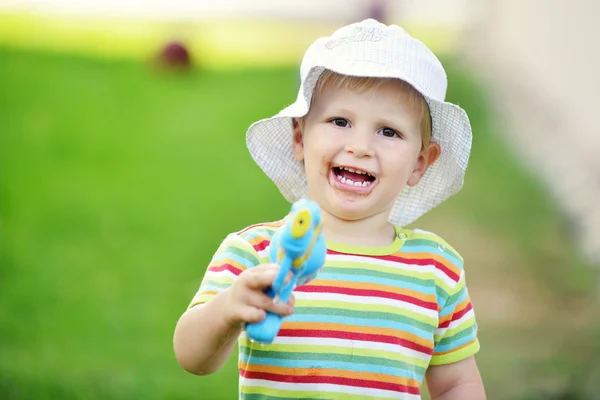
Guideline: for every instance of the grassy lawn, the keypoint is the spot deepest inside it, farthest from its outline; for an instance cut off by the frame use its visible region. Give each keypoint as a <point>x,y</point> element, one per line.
<point>117,183</point>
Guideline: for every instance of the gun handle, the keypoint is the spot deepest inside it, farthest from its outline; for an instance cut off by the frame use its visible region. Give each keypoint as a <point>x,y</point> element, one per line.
<point>265,330</point>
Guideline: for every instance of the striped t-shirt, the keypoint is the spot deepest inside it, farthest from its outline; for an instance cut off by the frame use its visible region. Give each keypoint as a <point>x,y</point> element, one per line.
<point>367,327</point>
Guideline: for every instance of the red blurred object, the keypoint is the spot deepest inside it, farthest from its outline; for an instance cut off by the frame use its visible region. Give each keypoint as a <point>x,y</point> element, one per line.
<point>176,54</point>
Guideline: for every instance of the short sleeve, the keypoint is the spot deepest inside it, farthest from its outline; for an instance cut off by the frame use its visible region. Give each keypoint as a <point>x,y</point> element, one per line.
<point>234,255</point>
<point>456,336</point>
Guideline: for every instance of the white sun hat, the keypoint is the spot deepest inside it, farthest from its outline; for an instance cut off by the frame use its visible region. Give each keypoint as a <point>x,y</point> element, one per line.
<point>369,48</point>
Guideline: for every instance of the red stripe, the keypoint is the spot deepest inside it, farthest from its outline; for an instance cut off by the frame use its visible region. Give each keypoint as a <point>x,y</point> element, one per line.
<point>224,267</point>
<point>273,225</point>
<point>457,316</point>
<point>371,293</point>
<point>410,261</point>
<point>366,337</point>
<point>451,274</point>
<point>334,380</point>
<point>262,245</point>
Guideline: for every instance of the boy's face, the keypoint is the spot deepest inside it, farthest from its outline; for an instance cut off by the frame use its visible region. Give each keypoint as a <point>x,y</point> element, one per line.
<point>361,150</point>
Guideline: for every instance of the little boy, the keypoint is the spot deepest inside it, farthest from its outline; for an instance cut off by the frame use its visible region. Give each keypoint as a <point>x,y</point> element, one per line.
<point>371,140</point>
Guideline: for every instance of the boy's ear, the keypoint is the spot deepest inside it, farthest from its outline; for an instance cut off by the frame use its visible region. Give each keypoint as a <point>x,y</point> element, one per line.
<point>426,158</point>
<point>297,141</point>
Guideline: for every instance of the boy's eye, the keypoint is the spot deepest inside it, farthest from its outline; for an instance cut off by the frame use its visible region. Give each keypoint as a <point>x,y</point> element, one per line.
<point>389,132</point>
<point>340,122</point>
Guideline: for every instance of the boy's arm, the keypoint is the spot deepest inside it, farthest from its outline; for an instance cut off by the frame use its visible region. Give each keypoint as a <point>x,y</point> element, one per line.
<point>203,339</point>
<point>206,334</point>
<point>456,381</point>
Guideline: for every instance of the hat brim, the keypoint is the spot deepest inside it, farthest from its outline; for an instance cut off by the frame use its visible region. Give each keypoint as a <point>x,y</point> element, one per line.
<point>270,144</point>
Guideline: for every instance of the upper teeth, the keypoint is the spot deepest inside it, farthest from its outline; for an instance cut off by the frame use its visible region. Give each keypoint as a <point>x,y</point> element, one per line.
<point>354,170</point>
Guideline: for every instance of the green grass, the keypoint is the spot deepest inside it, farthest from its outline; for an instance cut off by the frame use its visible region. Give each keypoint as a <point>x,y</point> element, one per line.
<point>117,182</point>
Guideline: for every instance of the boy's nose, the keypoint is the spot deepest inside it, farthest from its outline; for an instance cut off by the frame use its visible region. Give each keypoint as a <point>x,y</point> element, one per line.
<point>359,146</point>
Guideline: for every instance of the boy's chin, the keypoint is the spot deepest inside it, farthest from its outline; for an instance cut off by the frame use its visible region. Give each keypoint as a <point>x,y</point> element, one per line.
<point>353,210</point>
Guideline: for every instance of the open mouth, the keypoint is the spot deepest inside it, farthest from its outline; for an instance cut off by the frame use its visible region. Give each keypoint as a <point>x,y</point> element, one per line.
<point>349,176</point>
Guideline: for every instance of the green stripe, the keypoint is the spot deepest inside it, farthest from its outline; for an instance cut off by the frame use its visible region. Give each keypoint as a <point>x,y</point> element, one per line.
<point>353,266</point>
<point>220,285</point>
<point>444,293</point>
<point>363,315</point>
<point>453,299</point>
<point>466,329</point>
<point>378,273</point>
<point>422,240</point>
<point>365,311</point>
<point>340,350</point>
<point>349,358</point>
<point>250,255</point>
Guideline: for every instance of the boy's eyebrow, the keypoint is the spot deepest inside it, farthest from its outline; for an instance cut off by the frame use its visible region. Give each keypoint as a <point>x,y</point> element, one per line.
<point>343,111</point>
<point>390,122</point>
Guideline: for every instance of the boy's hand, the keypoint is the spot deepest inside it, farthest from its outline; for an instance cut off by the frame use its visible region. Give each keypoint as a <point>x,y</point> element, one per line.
<point>246,300</point>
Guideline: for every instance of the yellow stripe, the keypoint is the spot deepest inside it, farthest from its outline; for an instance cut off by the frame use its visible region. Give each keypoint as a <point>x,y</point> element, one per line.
<point>457,354</point>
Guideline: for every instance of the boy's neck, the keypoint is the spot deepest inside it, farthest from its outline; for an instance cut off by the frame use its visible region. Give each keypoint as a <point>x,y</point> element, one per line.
<point>374,231</point>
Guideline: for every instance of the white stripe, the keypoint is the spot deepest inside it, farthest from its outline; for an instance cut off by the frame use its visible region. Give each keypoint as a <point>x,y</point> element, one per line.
<point>442,275</point>
<point>356,344</point>
<point>428,268</point>
<point>456,323</point>
<point>316,296</point>
<point>264,253</point>
<point>327,388</point>
<point>219,275</point>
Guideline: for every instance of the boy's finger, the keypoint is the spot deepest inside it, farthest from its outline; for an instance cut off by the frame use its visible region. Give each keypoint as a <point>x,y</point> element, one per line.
<point>253,315</point>
<point>260,278</point>
<point>266,302</point>
<point>266,267</point>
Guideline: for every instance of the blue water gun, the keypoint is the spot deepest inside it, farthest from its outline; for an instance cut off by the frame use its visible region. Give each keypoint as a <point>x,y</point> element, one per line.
<point>298,246</point>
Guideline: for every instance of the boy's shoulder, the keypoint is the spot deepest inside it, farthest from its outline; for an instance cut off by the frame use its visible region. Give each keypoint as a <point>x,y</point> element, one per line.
<point>258,235</point>
<point>427,244</point>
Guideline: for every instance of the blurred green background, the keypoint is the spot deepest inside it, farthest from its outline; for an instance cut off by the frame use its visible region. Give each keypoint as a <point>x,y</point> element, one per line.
<point>118,180</point>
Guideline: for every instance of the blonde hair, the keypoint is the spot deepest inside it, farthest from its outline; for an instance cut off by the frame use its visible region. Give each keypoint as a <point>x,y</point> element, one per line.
<point>330,79</point>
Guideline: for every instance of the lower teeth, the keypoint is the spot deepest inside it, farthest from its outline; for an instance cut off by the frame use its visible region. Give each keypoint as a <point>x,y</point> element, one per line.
<point>350,182</point>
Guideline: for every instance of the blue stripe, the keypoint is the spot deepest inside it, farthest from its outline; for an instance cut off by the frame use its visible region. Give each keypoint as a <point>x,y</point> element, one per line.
<point>336,319</point>
<point>442,348</point>
<point>378,280</point>
<point>449,308</point>
<point>232,256</point>
<point>214,286</point>
<point>407,248</point>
